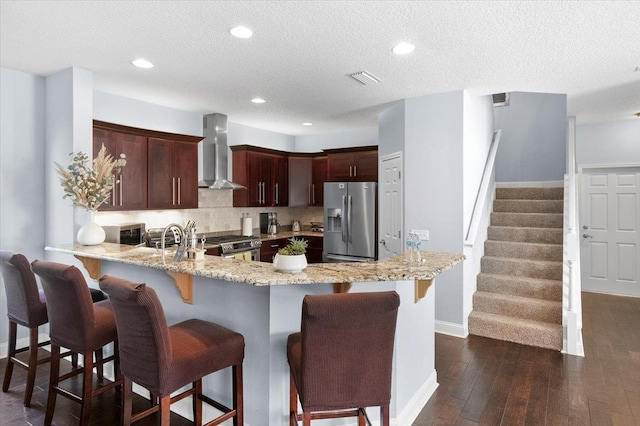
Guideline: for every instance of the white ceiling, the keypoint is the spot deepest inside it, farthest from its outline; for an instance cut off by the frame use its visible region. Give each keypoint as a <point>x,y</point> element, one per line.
<point>301,53</point>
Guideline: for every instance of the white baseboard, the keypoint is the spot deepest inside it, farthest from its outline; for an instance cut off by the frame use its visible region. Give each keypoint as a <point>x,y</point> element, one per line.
<point>541,184</point>
<point>451,329</point>
<point>411,411</point>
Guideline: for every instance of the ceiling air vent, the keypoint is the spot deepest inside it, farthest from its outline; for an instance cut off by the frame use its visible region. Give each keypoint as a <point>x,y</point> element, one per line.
<point>365,78</point>
<point>500,99</point>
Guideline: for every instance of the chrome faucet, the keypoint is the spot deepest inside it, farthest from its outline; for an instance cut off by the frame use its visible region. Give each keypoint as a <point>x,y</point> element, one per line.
<point>164,232</point>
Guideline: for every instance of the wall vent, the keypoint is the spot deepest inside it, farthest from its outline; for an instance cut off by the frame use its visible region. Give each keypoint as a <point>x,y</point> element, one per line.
<point>500,99</point>
<point>365,77</point>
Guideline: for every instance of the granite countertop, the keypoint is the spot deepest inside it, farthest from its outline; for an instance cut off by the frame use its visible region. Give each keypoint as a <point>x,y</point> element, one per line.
<point>263,274</point>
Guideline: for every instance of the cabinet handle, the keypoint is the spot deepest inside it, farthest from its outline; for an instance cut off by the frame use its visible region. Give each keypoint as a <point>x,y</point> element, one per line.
<point>313,192</point>
<point>178,191</point>
<point>355,171</point>
<point>121,189</point>
<point>262,195</point>
<point>309,194</point>
<point>350,171</point>
<point>113,193</point>
<point>277,194</point>
<point>275,245</point>
<point>173,191</point>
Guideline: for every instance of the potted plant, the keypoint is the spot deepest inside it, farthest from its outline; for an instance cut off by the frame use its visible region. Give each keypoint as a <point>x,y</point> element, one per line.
<point>291,258</point>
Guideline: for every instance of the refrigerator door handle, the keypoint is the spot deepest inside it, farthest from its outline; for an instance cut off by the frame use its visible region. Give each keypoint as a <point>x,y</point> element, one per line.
<point>349,218</point>
<point>344,217</point>
<point>340,258</point>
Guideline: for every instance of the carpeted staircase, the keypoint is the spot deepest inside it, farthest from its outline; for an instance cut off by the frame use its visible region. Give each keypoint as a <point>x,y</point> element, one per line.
<point>519,295</point>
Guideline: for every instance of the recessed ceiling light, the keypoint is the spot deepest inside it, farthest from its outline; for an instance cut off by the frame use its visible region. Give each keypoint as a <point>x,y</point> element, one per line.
<point>241,32</point>
<point>307,124</point>
<point>142,63</point>
<point>403,48</point>
<point>258,100</point>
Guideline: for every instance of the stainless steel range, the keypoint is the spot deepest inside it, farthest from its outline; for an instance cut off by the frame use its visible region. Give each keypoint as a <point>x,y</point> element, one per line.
<point>237,245</point>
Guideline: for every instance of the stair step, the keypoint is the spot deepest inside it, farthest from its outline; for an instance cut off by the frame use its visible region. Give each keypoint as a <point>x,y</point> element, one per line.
<point>521,286</point>
<point>550,193</point>
<point>528,206</point>
<point>525,234</point>
<point>531,251</point>
<point>526,332</point>
<point>518,307</point>
<point>522,268</point>
<point>529,220</point>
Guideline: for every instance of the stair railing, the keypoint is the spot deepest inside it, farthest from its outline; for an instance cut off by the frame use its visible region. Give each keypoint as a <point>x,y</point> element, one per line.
<point>571,281</point>
<point>483,190</point>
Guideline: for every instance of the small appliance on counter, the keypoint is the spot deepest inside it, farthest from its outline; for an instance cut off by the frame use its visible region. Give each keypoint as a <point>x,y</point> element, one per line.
<point>295,226</point>
<point>153,236</point>
<point>317,226</point>
<point>130,234</point>
<point>267,220</point>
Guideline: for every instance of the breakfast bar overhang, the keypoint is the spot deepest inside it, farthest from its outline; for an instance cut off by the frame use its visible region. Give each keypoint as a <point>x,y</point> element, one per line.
<point>265,306</point>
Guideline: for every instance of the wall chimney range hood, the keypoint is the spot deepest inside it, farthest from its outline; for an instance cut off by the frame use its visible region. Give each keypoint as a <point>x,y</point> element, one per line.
<point>215,154</point>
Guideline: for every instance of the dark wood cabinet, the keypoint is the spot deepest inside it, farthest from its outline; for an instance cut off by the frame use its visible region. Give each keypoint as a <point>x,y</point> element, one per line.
<point>269,248</point>
<point>319,177</point>
<point>130,185</point>
<point>314,248</point>
<point>353,164</point>
<point>161,170</point>
<point>173,174</point>
<point>265,174</point>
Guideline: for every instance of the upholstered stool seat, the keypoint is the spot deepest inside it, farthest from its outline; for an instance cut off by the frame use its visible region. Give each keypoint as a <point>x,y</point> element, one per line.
<point>79,325</point>
<point>341,360</point>
<point>163,359</point>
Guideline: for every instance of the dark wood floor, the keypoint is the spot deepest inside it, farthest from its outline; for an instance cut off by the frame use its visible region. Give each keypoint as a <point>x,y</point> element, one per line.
<point>482,381</point>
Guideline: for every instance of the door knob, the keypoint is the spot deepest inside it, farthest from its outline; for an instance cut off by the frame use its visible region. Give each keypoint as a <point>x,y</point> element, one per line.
<point>383,242</point>
<point>587,236</point>
<point>585,226</point>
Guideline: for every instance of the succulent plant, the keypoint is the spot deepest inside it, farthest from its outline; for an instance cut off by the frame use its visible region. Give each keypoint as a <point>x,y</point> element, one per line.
<point>295,247</point>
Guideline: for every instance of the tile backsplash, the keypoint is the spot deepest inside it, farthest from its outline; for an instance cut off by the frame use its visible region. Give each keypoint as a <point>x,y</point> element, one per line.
<point>215,214</point>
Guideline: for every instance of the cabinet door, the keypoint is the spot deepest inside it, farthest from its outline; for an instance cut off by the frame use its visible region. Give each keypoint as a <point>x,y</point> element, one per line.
<point>280,182</point>
<point>299,181</point>
<point>366,166</point>
<point>314,249</point>
<point>269,249</point>
<point>130,185</point>
<point>162,182</point>
<point>340,166</point>
<point>185,170</point>
<point>319,177</point>
<point>258,179</point>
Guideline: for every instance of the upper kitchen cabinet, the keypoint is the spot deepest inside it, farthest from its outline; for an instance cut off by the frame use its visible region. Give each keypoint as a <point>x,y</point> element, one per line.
<point>307,175</point>
<point>161,170</point>
<point>359,164</point>
<point>130,185</point>
<point>173,174</point>
<point>265,174</point>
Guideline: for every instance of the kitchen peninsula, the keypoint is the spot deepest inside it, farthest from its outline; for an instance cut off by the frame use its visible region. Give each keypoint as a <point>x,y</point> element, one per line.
<point>265,306</point>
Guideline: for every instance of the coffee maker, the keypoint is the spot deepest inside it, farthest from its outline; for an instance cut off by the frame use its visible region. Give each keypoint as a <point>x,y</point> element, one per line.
<point>266,220</point>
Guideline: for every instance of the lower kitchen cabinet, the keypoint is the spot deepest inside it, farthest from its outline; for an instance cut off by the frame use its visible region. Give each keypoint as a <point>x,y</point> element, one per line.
<point>314,249</point>
<point>269,248</point>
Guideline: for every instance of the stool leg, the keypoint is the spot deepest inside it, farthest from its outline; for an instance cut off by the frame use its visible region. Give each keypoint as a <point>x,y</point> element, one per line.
<point>306,418</point>
<point>126,401</point>
<point>99,365</point>
<point>197,402</point>
<point>238,399</point>
<point>87,388</point>
<point>361,420</point>
<point>74,360</point>
<point>116,364</point>
<point>384,415</point>
<point>33,365</point>
<point>293,400</point>
<point>165,410</point>
<point>53,383</point>
<point>13,329</point>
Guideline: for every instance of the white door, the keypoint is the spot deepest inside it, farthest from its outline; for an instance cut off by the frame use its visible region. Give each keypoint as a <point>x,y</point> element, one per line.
<point>609,219</point>
<point>390,241</point>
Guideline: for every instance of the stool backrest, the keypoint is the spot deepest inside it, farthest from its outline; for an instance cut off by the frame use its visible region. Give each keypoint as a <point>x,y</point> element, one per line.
<point>347,349</point>
<point>23,297</point>
<point>143,334</point>
<point>69,305</point>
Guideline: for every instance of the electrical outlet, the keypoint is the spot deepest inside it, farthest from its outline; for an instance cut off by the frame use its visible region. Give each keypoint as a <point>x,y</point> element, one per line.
<point>423,234</point>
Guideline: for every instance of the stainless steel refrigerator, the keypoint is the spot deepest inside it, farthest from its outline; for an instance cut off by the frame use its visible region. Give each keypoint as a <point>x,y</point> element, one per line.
<point>350,221</point>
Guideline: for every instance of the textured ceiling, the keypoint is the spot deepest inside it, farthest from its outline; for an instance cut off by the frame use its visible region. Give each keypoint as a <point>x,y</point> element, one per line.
<point>301,53</point>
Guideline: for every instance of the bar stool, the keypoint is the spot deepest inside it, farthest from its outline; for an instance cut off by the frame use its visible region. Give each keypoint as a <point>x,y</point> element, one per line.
<point>163,359</point>
<point>80,325</point>
<point>26,306</point>
<point>341,360</point>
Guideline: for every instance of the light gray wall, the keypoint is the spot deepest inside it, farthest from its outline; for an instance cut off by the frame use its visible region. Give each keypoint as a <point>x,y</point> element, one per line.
<point>22,206</point>
<point>244,135</point>
<point>434,184</point>
<point>533,144</point>
<point>347,138</point>
<point>391,130</point>
<point>608,143</point>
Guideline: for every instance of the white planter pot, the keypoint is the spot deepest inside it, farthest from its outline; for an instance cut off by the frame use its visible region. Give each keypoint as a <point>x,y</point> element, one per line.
<point>290,264</point>
<point>90,234</point>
